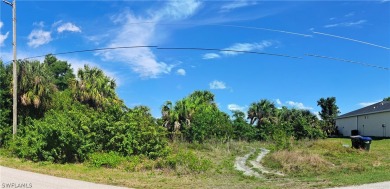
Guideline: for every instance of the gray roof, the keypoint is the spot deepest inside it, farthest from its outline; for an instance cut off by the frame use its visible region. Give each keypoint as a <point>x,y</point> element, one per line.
<point>383,106</point>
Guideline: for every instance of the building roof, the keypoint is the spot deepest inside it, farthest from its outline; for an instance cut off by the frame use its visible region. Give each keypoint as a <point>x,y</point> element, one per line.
<point>383,106</point>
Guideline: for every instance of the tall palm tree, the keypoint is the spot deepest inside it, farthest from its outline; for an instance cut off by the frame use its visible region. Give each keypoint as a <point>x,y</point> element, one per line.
<point>94,88</point>
<point>35,85</point>
<point>262,112</point>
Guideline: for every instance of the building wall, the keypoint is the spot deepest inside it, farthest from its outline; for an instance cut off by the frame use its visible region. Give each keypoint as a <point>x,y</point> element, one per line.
<point>371,125</point>
<point>345,125</point>
<point>368,125</point>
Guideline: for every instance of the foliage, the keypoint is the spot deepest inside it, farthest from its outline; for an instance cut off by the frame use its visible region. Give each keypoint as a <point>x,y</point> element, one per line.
<point>35,87</point>
<point>137,133</point>
<point>94,88</point>
<point>187,161</point>
<point>109,160</point>
<point>280,125</point>
<point>241,129</point>
<point>262,112</point>
<point>60,71</point>
<point>329,112</point>
<point>71,131</point>
<point>5,104</point>
<point>61,136</point>
<point>386,99</point>
<point>196,118</point>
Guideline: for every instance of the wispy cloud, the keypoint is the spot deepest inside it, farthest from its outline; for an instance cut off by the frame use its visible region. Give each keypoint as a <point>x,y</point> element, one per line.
<point>39,37</point>
<point>346,24</point>
<point>68,27</point>
<point>179,9</point>
<point>236,4</point>
<point>246,47</point>
<point>217,85</point>
<point>364,104</point>
<point>142,60</point>
<point>230,51</point>
<point>3,37</point>
<point>235,107</point>
<point>298,105</point>
<point>181,72</point>
<point>210,56</point>
<point>350,14</point>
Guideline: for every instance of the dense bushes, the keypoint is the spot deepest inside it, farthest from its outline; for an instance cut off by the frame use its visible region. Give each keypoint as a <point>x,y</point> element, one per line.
<point>71,132</point>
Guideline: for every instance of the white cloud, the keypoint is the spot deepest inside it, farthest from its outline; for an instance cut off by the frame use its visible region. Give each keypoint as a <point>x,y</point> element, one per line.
<point>181,72</point>
<point>364,104</point>
<point>217,85</point>
<point>235,107</point>
<point>346,24</point>
<point>298,105</point>
<point>3,37</point>
<point>236,4</point>
<point>179,9</point>
<point>40,24</point>
<point>317,114</point>
<point>142,60</point>
<point>230,51</point>
<point>350,14</point>
<point>211,56</point>
<point>246,47</point>
<point>38,37</point>
<point>68,27</point>
<point>278,102</point>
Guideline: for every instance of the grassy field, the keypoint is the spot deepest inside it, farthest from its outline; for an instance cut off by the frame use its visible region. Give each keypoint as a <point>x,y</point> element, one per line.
<point>308,164</point>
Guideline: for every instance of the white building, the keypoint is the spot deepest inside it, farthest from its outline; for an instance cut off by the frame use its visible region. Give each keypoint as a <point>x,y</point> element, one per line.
<point>373,120</point>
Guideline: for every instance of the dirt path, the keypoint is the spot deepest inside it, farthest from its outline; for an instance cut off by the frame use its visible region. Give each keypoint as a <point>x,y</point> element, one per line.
<point>256,169</point>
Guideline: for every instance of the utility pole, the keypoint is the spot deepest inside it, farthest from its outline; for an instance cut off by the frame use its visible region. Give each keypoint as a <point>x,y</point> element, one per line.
<point>14,70</point>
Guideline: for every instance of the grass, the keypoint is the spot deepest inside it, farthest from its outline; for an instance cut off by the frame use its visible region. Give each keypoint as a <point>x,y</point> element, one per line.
<point>309,164</point>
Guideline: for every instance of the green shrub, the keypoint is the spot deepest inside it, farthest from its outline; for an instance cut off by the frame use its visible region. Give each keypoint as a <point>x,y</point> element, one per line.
<point>109,160</point>
<point>187,162</point>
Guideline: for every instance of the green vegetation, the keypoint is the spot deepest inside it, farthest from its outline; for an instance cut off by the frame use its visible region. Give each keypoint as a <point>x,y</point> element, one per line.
<point>80,126</point>
<point>308,164</point>
<point>329,112</point>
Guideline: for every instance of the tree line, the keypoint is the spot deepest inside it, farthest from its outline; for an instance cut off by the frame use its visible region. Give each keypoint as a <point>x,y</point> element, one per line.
<point>64,117</point>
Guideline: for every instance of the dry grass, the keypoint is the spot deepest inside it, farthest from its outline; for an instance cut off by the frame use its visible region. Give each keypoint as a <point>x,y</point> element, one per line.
<point>300,162</point>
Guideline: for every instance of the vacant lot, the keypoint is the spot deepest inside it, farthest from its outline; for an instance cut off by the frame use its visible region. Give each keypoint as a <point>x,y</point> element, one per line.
<point>307,164</point>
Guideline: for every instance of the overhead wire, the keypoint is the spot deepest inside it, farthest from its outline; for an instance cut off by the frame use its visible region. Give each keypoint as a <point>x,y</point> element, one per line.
<point>91,50</point>
<point>228,25</point>
<point>225,50</point>
<point>349,61</point>
<point>210,49</point>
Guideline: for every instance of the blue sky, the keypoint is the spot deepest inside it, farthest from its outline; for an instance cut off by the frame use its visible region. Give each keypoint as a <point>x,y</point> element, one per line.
<point>352,30</point>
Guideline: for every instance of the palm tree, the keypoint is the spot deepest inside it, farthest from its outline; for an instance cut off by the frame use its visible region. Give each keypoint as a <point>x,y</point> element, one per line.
<point>262,112</point>
<point>35,85</point>
<point>94,88</point>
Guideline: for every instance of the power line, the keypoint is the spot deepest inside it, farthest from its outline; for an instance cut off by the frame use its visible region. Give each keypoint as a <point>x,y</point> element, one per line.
<point>229,25</point>
<point>225,50</point>
<point>349,61</point>
<point>90,50</point>
<point>354,40</point>
<point>212,49</point>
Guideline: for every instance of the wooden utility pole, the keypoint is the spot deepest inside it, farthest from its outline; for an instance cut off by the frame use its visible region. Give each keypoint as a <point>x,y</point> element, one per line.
<point>14,71</point>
